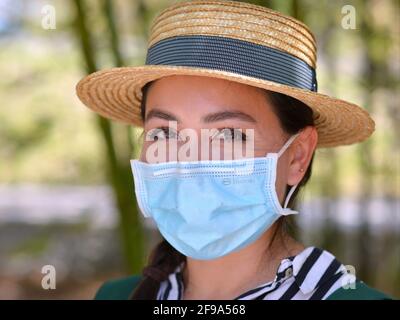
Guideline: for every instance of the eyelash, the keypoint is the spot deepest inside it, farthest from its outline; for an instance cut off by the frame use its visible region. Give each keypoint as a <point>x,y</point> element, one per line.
<point>153,133</point>
<point>233,131</point>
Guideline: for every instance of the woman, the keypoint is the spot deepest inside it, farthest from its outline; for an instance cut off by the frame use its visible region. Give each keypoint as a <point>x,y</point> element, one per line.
<point>244,77</point>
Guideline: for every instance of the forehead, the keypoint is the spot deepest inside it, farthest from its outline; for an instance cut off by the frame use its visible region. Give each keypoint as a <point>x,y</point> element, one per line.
<point>194,96</point>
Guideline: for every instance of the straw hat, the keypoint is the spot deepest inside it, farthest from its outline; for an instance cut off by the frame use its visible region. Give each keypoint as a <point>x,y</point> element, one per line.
<point>235,41</point>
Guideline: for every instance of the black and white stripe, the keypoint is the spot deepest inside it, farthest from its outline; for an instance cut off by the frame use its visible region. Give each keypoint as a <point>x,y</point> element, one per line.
<point>313,274</point>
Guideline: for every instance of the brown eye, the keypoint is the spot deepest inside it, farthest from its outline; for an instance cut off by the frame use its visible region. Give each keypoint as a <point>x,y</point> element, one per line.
<point>161,133</point>
<point>230,134</point>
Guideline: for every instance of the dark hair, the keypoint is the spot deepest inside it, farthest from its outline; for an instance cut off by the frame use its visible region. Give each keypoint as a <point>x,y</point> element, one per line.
<point>293,115</point>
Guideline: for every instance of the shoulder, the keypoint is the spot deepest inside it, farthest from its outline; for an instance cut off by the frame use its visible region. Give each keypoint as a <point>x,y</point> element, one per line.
<point>118,289</point>
<point>359,291</point>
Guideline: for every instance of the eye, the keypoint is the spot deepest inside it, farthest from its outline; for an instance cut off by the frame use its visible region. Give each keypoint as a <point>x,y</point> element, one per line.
<point>161,133</point>
<point>230,134</point>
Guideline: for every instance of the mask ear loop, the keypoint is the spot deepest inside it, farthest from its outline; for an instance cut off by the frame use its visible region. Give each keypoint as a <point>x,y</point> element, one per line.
<point>287,144</point>
<point>287,211</point>
<point>290,195</point>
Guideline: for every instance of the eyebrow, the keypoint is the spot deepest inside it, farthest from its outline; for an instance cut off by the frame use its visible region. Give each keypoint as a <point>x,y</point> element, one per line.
<point>225,115</point>
<point>212,117</point>
<point>157,113</point>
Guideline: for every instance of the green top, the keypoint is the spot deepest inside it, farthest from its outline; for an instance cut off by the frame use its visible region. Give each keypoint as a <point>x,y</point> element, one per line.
<point>121,289</point>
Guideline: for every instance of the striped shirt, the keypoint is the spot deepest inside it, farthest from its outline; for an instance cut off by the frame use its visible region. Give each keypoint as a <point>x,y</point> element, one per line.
<point>313,274</point>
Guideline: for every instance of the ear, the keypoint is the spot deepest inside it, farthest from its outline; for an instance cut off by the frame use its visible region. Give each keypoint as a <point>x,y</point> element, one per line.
<point>301,154</point>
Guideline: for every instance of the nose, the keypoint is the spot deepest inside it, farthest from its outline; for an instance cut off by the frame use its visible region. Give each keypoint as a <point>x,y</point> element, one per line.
<point>196,205</point>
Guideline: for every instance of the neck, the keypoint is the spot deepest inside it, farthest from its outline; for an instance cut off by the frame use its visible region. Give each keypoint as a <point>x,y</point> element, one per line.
<point>229,276</point>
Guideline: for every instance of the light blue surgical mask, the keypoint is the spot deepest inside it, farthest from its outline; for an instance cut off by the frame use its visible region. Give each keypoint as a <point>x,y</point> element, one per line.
<point>207,209</point>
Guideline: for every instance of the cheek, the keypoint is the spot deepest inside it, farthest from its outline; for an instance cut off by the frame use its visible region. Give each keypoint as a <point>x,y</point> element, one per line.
<point>158,151</point>
<point>281,178</point>
<point>142,156</point>
<point>267,140</point>
<point>262,146</point>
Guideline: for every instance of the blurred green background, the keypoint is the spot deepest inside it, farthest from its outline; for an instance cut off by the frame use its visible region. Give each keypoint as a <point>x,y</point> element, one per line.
<point>66,192</point>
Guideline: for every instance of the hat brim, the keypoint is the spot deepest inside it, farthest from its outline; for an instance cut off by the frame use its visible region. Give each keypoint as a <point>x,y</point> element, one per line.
<point>116,94</point>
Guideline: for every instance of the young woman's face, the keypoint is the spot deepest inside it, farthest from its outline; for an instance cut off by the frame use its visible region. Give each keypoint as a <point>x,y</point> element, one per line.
<point>223,106</point>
